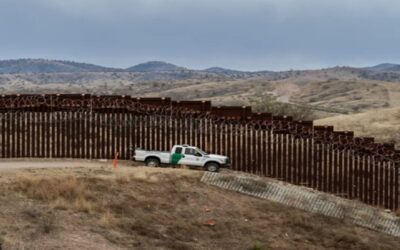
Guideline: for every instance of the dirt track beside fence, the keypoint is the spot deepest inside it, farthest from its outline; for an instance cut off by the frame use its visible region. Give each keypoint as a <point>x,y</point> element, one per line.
<point>7,165</point>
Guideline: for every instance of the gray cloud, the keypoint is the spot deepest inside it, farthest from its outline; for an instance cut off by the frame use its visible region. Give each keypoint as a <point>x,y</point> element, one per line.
<point>243,34</point>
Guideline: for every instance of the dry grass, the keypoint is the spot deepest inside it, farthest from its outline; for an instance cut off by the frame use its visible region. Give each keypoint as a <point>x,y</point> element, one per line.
<point>1,242</point>
<point>65,192</point>
<point>145,208</point>
<point>383,124</point>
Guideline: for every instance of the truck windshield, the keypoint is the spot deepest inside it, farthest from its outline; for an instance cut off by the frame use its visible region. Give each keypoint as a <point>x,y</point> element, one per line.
<point>201,151</point>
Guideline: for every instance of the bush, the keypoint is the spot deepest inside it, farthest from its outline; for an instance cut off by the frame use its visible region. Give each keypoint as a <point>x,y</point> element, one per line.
<point>257,246</point>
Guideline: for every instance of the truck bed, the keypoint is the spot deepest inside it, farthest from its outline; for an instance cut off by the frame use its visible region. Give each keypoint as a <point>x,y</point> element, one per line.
<point>141,155</point>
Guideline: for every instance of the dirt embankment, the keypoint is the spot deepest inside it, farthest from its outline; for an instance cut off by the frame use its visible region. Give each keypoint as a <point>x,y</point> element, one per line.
<point>144,208</point>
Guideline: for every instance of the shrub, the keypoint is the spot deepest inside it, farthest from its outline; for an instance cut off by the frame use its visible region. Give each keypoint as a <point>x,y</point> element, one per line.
<point>257,246</point>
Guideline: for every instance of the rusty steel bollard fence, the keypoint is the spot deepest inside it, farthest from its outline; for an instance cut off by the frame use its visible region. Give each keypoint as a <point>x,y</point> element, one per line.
<point>95,127</point>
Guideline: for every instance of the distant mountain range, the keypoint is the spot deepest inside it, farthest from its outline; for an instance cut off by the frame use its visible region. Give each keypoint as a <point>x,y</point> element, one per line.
<point>331,90</point>
<point>389,67</point>
<point>59,66</point>
<point>154,66</point>
<point>220,70</point>
<point>48,66</point>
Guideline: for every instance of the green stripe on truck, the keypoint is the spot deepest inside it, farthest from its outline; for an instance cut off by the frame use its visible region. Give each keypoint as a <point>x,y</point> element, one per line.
<point>175,158</point>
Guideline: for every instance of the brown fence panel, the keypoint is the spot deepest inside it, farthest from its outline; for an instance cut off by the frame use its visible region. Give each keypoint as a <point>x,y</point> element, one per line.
<point>263,149</point>
<point>304,162</point>
<point>386,184</point>
<point>11,143</point>
<point>130,126</point>
<point>235,154</point>
<point>13,133</point>
<point>396,186</point>
<point>88,134</point>
<point>96,125</point>
<point>27,139</point>
<point>2,134</point>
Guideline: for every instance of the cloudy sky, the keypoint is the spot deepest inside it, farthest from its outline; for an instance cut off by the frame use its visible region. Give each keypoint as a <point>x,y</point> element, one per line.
<point>239,34</point>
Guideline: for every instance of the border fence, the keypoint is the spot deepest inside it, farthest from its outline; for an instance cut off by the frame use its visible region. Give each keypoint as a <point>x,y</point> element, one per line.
<point>96,127</point>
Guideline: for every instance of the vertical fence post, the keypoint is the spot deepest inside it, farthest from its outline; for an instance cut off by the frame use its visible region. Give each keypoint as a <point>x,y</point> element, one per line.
<point>9,131</point>
<point>3,134</point>
<point>235,152</point>
<point>304,169</point>
<point>391,185</point>
<point>386,184</point>
<point>396,186</point>
<point>13,134</point>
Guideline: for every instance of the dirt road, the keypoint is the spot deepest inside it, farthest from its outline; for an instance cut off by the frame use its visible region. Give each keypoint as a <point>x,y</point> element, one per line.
<point>7,165</point>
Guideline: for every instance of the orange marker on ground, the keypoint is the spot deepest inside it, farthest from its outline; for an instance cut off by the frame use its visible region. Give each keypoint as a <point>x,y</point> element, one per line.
<point>115,162</point>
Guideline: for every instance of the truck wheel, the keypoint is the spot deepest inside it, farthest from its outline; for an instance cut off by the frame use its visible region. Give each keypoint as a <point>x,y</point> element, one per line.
<point>212,167</point>
<point>152,162</point>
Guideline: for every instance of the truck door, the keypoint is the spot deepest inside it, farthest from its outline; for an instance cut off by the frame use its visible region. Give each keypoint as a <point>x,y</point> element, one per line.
<point>191,157</point>
<point>177,156</point>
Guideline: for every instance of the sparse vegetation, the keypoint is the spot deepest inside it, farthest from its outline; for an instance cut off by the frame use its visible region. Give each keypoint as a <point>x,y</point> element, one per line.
<point>64,192</point>
<point>383,124</point>
<point>1,242</point>
<point>269,104</point>
<point>257,246</point>
<point>327,92</point>
<point>158,208</point>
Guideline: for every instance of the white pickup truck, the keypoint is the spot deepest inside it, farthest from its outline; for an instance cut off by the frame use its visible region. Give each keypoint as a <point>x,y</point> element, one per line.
<point>182,155</point>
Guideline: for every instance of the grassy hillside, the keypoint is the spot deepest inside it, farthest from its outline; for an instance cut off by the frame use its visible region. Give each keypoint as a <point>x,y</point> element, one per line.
<point>327,92</point>
<point>154,66</point>
<point>48,66</point>
<point>383,124</point>
<point>144,208</point>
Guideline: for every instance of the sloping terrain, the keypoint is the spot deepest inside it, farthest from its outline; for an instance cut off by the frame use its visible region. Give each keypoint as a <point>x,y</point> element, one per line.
<point>48,66</point>
<point>145,208</point>
<point>332,91</point>
<point>385,67</point>
<point>154,66</point>
<point>383,124</point>
<point>338,96</point>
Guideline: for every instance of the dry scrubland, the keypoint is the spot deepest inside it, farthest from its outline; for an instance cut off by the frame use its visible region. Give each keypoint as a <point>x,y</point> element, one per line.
<point>143,208</point>
<point>328,91</point>
<point>383,124</point>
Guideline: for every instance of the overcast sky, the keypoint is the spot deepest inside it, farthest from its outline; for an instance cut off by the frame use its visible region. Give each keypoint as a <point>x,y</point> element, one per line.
<point>239,34</point>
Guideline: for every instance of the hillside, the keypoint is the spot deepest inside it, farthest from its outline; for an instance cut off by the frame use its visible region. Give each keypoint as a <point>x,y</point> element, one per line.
<point>101,208</point>
<point>154,66</point>
<point>48,66</point>
<point>385,67</point>
<point>222,70</point>
<point>328,92</point>
<point>381,72</point>
<point>383,124</point>
<point>331,91</point>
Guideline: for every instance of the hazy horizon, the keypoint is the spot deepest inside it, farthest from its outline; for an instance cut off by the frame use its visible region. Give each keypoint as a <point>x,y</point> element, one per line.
<point>246,35</point>
<point>215,66</point>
